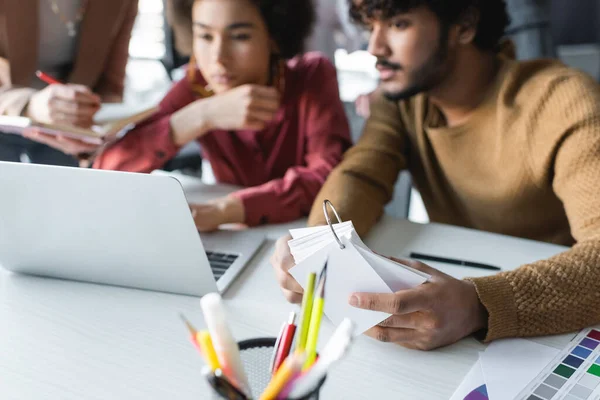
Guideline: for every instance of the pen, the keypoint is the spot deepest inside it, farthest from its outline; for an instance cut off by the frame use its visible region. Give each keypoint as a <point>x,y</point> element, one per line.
<point>291,366</point>
<point>46,78</point>
<point>227,349</point>
<point>223,387</point>
<point>453,261</point>
<point>287,336</point>
<point>315,320</point>
<point>307,303</point>
<point>336,348</point>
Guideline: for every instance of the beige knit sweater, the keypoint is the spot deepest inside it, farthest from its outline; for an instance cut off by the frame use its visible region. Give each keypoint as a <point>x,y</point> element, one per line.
<point>527,164</point>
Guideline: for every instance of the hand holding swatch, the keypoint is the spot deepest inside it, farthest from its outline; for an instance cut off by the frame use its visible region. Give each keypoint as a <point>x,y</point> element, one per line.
<point>351,267</point>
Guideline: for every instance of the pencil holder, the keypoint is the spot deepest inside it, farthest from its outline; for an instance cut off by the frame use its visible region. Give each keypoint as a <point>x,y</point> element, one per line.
<point>256,356</point>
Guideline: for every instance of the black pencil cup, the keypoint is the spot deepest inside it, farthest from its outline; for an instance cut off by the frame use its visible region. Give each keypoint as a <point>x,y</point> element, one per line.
<point>256,356</point>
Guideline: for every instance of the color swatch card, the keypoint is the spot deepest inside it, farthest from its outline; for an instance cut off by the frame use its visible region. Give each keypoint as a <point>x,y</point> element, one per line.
<point>504,369</point>
<point>473,385</point>
<point>353,268</point>
<point>509,365</point>
<point>573,375</point>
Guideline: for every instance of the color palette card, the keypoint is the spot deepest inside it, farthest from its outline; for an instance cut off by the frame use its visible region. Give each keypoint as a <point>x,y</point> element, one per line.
<point>504,369</point>
<point>509,365</point>
<point>473,386</point>
<point>573,375</point>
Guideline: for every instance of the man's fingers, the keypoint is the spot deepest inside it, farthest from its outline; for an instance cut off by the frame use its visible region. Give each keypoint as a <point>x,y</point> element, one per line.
<point>392,335</point>
<point>291,289</point>
<point>286,280</point>
<point>402,302</point>
<point>282,261</point>
<point>292,297</point>
<point>411,321</point>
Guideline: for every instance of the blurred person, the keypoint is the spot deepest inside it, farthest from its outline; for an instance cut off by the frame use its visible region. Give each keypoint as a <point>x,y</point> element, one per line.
<point>265,116</point>
<point>83,43</point>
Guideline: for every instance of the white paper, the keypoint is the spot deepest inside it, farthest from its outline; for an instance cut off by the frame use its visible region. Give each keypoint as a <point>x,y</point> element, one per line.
<point>352,269</point>
<point>472,382</point>
<point>395,275</point>
<point>509,365</point>
<point>347,273</point>
<point>310,240</point>
<point>303,232</point>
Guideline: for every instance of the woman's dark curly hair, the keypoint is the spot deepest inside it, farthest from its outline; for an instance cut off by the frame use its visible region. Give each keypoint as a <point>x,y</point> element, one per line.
<point>493,17</point>
<point>289,23</point>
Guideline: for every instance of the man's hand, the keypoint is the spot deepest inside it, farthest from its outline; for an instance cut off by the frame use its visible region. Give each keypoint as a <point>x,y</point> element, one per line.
<point>65,144</point>
<point>226,210</point>
<point>437,313</point>
<point>64,104</point>
<point>282,261</point>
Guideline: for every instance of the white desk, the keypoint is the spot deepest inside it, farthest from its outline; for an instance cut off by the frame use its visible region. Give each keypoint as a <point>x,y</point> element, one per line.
<point>65,340</point>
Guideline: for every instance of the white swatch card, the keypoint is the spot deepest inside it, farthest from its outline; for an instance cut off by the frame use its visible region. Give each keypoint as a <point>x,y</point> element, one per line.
<point>352,269</point>
<point>510,364</point>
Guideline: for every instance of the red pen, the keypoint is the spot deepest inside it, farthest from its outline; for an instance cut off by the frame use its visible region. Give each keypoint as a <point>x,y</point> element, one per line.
<point>287,337</point>
<point>46,78</point>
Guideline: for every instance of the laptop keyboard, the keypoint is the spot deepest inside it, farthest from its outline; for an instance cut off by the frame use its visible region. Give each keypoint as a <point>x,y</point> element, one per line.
<point>220,262</point>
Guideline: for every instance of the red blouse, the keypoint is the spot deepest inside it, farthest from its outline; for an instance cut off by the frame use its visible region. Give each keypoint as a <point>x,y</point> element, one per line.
<point>282,167</point>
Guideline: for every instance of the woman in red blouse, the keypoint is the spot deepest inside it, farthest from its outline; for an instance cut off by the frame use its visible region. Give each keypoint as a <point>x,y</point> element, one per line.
<point>266,118</point>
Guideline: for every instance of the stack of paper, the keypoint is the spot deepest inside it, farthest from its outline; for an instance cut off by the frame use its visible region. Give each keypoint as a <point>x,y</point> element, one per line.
<point>355,268</point>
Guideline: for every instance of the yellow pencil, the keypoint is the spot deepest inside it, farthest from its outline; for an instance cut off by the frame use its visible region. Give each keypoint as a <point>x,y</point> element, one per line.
<point>291,366</point>
<point>307,303</point>
<point>315,321</point>
<point>208,350</point>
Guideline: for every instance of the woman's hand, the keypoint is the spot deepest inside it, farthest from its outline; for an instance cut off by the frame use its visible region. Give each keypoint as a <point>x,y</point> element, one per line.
<point>63,143</point>
<point>64,104</point>
<point>247,107</point>
<point>226,210</point>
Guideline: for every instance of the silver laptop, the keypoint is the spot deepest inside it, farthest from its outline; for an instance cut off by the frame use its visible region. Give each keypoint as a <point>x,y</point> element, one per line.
<point>116,228</point>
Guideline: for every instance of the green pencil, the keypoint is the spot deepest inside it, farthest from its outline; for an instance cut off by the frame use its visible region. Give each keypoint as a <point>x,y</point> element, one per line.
<point>307,302</point>
<point>315,321</point>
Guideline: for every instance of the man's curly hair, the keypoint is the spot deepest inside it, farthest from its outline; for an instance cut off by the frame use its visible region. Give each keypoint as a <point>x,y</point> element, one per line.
<point>493,16</point>
<point>289,23</point>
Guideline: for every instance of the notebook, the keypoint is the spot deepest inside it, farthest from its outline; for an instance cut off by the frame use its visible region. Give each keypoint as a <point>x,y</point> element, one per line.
<point>98,134</point>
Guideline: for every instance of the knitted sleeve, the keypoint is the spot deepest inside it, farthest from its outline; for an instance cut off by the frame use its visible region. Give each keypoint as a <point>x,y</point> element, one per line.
<point>559,294</point>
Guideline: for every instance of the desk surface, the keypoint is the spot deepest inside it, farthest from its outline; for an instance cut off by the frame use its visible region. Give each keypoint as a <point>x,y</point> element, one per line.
<point>66,340</point>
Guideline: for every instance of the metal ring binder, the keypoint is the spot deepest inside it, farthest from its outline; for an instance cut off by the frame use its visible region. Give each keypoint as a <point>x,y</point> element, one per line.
<point>337,239</point>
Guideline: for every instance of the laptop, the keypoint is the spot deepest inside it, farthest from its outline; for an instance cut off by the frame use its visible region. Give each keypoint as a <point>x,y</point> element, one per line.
<point>116,228</point>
